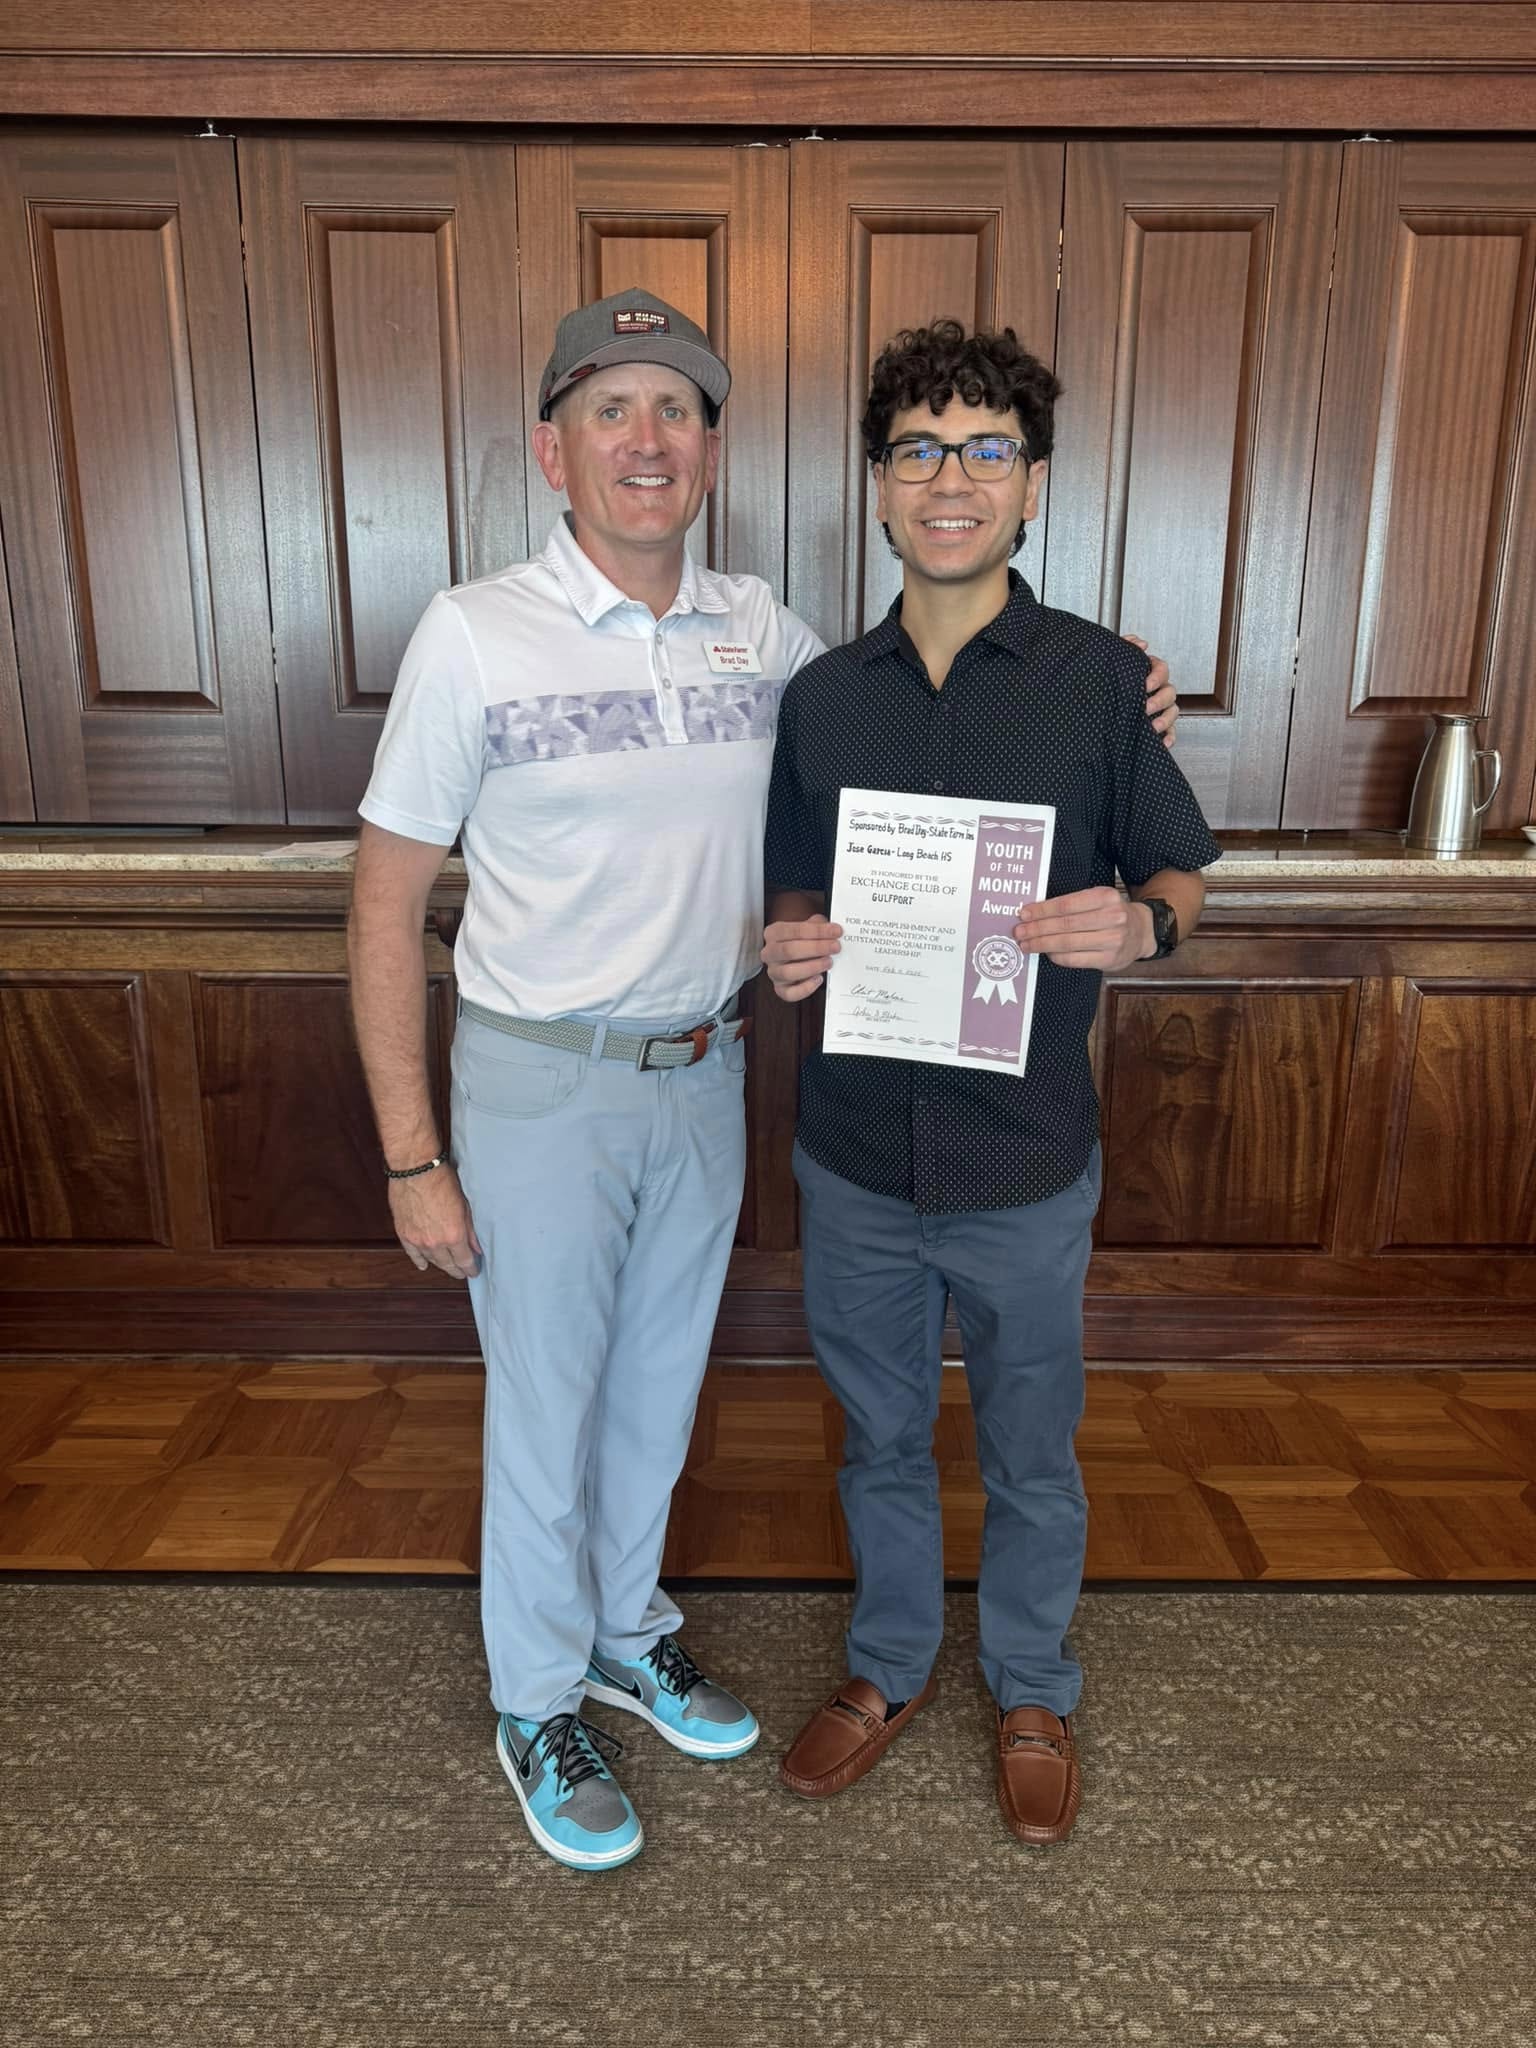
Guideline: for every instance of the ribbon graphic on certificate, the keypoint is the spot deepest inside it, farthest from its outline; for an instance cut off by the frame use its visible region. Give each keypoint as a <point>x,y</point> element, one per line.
<point>927,890</point>
<point>998,962</point>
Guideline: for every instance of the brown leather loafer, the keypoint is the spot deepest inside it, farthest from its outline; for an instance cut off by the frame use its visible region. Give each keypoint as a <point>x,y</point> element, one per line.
<point>1038,1786</point>
<point>845,1738</point>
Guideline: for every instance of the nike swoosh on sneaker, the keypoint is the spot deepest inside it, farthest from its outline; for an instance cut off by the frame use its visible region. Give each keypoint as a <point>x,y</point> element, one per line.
<point>629,1685</point>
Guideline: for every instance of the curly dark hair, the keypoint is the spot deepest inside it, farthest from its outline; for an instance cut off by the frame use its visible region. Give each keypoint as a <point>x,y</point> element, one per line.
<point>936,363</point>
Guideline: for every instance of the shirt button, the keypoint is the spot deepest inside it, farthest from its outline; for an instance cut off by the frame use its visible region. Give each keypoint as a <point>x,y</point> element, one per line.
<point>938,783</point>
<point>666,682</point>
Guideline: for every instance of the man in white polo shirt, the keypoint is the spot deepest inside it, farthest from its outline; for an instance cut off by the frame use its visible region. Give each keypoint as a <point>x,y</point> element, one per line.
<point>598,724</point>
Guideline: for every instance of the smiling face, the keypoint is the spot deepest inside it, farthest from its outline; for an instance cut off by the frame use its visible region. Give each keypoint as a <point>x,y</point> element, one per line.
<point>953,529</point>
<point>631,448</point>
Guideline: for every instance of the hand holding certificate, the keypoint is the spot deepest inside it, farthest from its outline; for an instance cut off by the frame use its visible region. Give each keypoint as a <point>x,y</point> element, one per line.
<point>927,891</point>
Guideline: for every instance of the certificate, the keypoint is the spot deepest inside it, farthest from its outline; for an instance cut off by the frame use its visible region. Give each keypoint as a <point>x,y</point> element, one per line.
<point>927,890</point>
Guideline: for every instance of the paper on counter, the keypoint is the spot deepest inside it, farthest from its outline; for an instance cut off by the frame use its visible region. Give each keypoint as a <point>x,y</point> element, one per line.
<point>311,849</point>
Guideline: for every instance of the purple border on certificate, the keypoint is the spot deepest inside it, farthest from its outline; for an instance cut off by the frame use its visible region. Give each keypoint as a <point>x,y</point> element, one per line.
<point>1007,873</point>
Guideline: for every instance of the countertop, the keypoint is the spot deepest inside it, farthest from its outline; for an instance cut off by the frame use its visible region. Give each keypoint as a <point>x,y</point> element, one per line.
<point>24,850</point>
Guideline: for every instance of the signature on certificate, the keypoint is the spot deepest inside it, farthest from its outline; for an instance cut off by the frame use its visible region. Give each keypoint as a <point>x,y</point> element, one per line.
<point>866,1000</point>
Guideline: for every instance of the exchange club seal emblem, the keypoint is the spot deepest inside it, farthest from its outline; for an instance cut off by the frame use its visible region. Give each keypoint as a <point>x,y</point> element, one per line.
<point>998,963</point>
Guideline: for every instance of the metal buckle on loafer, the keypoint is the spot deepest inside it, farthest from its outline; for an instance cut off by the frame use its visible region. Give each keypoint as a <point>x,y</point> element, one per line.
<point>1016,1739</point>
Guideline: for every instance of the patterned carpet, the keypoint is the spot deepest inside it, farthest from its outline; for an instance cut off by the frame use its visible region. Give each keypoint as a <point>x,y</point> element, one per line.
<point>272,1814</point>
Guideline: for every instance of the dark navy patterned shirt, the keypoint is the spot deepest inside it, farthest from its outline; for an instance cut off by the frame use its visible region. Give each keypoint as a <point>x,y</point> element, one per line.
<point>1041,707</point>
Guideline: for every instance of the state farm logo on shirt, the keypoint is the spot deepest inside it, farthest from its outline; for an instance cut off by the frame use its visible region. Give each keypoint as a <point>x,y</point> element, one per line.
<point>732,657</point>
<point>640,320</point>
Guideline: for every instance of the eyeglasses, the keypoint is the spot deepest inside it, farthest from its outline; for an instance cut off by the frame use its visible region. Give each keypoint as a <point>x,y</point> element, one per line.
<point>986,459</point>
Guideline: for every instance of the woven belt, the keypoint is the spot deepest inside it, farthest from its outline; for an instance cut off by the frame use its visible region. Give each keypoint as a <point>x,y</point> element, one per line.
<point>685,1050</point>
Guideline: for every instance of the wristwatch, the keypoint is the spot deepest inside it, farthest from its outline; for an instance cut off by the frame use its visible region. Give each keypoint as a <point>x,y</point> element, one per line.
<point>1165,926</point>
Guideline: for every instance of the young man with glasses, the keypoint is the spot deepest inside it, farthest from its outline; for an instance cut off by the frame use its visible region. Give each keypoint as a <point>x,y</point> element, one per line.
<point>923,1184</point>
<point>598,724</point>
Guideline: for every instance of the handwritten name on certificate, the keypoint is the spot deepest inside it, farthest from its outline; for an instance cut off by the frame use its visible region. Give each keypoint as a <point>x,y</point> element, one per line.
<point>927,890</point>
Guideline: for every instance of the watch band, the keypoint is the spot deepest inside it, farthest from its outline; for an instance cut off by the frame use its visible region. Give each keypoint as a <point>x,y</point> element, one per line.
<point>1165,925</point>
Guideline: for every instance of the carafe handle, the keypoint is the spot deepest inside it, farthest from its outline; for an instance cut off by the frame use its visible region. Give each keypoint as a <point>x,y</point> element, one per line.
<point>1488,754</point>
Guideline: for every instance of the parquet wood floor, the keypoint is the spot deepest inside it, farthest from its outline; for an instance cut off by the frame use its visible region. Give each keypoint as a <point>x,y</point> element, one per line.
<point>318,1466</point>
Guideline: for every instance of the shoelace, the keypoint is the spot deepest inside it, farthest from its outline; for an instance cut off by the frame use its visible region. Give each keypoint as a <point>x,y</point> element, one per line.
<point>575,1749</point>
<point>674,1668</point>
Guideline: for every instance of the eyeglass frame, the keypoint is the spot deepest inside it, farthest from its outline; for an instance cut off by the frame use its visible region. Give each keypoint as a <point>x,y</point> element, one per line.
<point>957,449</point>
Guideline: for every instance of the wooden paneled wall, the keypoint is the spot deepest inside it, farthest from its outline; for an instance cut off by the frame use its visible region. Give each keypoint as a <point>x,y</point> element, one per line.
<point>1413,549</point>
<point>1317,1124</point>
<point>227,497</point>
<point>1292,451</point>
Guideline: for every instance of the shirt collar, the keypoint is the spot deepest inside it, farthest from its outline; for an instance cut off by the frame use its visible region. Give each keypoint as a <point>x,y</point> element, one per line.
<point>1013,628</point>
<point>593,596</point>
<point>699,590</point>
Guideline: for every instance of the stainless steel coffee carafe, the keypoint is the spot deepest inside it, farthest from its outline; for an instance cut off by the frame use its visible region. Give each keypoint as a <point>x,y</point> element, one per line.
<point>1445,815</point>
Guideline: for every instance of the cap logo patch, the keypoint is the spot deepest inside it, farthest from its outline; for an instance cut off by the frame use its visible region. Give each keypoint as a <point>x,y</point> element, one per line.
<point>640,320</point>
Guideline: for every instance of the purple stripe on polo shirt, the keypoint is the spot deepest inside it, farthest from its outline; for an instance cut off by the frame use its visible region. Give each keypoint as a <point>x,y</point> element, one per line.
<point>732,710</point>
<point>623,721</point>
<point>552,728</point>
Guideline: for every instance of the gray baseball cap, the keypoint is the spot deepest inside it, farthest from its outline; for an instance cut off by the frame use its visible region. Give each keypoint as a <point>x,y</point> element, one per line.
<point>632,327</point>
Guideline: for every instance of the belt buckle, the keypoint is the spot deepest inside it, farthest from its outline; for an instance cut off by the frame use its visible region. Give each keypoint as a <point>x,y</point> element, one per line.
<point>700,1036</point>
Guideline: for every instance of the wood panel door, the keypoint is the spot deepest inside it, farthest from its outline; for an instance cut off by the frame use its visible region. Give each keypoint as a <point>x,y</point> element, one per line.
<point>1224,1110</point>
<point>886,236</point>
<point>1419,594</point>
<point>15,772</point>
<point>383,291</point>
<point>82,1158</point>
<point>276,1056</point>
<point>705,230</point>
<point>1194,303</point>
<point>1458,1166</point>
<point>130,495</point>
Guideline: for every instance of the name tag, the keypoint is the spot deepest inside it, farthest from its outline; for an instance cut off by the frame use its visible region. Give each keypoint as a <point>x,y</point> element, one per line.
<point>732,657</point>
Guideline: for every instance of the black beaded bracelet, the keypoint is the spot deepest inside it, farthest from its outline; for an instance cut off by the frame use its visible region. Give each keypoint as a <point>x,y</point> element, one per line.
<point>410,1172</point>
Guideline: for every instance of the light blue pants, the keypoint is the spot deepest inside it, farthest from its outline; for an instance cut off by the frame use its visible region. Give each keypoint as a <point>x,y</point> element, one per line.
<point>605,1201</point>
<point>878,1277</point>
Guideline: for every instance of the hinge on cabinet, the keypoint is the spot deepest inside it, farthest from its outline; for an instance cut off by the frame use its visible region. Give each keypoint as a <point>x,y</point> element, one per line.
<point>1295,661</point>
<point>1060,238</point>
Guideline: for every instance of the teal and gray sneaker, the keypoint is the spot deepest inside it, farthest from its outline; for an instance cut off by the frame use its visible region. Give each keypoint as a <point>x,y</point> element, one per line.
<point>666,1688</point>
<point>573,1804</point>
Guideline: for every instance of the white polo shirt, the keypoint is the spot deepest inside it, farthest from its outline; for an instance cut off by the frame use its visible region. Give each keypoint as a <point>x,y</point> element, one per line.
<point>609,774</point>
